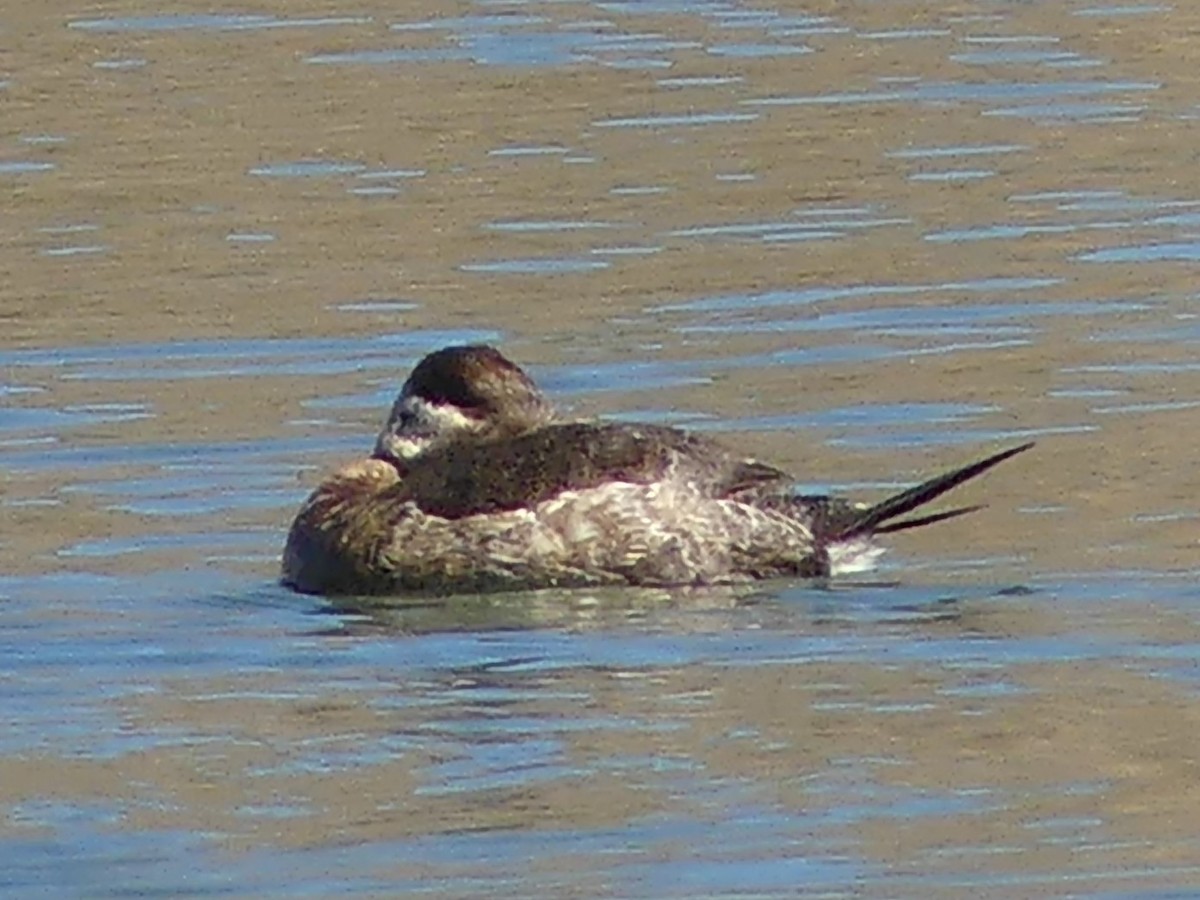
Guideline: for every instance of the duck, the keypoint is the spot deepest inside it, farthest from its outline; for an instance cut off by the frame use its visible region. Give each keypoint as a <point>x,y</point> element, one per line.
<point>476,484</point>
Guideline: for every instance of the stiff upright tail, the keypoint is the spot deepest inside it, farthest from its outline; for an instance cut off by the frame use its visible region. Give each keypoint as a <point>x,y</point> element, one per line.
<point>880,518</point>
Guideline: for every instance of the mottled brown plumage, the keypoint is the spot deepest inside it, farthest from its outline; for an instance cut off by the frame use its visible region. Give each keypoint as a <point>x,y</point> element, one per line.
<point>362,532</point>
<point>471,477</point>
<point>454,502</point>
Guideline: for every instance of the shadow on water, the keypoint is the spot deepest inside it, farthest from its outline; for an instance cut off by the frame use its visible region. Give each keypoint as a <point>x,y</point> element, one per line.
<point>648,610</point>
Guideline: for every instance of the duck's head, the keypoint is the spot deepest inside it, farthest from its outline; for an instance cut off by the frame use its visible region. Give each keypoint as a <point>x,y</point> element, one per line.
<point>459,392</point>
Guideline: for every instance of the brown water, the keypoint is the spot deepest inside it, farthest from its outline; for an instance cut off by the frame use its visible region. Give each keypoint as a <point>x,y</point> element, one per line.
<point>862,240</point>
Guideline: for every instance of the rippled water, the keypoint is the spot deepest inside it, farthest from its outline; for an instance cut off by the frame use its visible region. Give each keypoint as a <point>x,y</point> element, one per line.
<point>865,245</point>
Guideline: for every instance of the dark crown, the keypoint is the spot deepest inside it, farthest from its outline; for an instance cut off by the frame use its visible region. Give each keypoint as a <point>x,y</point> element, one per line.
<point>476,378</point>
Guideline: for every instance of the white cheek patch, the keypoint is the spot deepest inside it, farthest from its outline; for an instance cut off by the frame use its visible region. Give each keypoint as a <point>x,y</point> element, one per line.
<point>401,448</point>
<point>443,418</point>
<point>416,424</point>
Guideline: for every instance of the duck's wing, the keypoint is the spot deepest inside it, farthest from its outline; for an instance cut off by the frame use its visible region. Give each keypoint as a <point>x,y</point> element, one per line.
<point>472,477</point>
<point>747,479</point>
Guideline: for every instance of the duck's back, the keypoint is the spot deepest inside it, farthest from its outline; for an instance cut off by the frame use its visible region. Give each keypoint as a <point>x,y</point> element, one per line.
<point>472,477</point>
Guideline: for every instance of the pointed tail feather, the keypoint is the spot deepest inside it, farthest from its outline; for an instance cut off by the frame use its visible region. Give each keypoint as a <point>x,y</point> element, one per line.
<point>877,519</point>
<point>905,524</point>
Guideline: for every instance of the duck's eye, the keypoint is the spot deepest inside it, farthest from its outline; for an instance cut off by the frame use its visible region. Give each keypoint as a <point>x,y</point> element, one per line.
<point>406,418</point>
